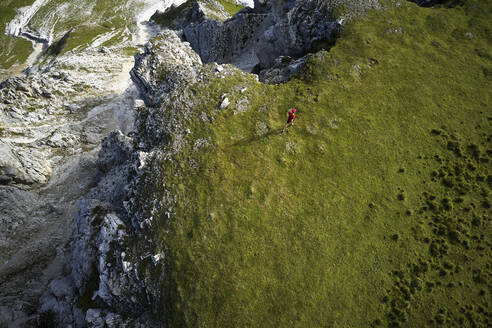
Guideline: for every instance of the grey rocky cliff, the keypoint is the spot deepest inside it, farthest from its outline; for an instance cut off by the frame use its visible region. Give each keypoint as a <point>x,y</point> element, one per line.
<point>48,115</point>
<point>255,38</point>
<point>53,119</point>
<point>114,275</point>
<point>103,286</point>
<point>173,63</point>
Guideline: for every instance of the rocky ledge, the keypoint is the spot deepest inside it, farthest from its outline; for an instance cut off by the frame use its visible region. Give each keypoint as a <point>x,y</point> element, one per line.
<point>255,38</point>
<point>53,118</point>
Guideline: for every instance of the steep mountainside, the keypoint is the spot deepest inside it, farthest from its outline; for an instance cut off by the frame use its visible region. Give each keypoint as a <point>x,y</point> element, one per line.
<point>373,210</point>
<point>167,196</point>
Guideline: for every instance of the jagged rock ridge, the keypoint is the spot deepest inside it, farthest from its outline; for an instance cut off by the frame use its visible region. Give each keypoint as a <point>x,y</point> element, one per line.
<point>255,38</point>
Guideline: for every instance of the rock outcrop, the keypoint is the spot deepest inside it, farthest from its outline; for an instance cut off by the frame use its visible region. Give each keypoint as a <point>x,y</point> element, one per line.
<point>255,38</point>
<point>283,68</point>
<point>53,118</point>
<point>173,62</point>
<point>23,166</point>
<point>103,286</point>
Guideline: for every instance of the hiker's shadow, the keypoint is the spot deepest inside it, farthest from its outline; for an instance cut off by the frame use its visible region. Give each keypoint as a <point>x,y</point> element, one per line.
<point>248,141</point>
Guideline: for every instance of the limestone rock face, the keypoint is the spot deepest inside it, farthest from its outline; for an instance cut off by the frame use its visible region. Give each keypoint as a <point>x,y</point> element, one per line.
<point>255,37</point>
<point>230,42</point>
<point>165,63</point>
<point>102,286</point>
<point>53,117</point>
<point>283,68</point>
<point>120,148</point>
<point>24,166</point>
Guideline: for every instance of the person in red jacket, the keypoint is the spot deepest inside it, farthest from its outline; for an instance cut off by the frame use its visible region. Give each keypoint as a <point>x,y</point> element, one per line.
<point>290,120</point>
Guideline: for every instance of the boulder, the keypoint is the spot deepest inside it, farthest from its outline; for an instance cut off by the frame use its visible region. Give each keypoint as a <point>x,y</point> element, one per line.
<point>22,166</point>
<point>155,76</point>
<point>282,70</point>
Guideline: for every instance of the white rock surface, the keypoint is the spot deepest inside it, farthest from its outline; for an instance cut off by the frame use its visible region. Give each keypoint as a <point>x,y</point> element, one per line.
<point>225,102</point>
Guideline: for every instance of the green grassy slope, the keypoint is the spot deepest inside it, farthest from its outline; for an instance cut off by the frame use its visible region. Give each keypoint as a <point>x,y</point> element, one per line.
<point>99,17</point>
<point>13,50</point>
<point>373,210</point>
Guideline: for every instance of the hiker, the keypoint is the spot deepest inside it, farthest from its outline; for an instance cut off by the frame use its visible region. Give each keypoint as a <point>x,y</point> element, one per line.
<point>290,120</point>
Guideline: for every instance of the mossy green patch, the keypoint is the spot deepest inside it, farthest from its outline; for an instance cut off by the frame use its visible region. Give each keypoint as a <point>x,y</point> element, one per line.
<point>231,7</point>
<point>372,210</point>
<point>83,36</point>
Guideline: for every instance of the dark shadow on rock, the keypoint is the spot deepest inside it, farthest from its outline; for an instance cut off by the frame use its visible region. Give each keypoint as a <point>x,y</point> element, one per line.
<point>56,48</point>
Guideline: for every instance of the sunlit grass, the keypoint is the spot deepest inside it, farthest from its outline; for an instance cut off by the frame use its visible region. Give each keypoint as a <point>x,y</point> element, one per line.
<point>363,213</point>
<point>230,7</point>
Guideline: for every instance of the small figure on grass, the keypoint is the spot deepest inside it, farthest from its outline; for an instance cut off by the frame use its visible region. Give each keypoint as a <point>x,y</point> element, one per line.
<point>290,120</point>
